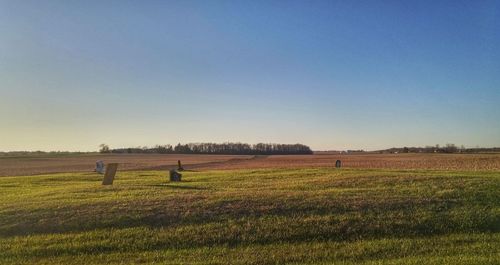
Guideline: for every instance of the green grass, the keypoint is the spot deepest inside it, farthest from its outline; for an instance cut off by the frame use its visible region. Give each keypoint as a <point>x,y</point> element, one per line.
<point>302,216</point>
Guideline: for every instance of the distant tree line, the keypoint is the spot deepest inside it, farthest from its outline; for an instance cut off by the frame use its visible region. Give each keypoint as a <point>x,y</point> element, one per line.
<point>215,148</point>
<point>35,153</point>
<point>448,148</point>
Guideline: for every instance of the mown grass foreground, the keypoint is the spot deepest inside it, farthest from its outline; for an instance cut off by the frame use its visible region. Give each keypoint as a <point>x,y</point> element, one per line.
<point>306,216</point>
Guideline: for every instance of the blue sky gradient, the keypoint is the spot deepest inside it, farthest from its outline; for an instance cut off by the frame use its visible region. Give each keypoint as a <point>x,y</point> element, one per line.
<point>330,74</point>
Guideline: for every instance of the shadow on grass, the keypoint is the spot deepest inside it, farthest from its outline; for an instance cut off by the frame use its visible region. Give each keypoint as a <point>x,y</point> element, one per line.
<point>354,230</point>
<point>174,186</point>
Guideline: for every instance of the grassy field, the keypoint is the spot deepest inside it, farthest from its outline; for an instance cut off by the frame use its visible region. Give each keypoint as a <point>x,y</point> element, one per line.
<point>264,216</point>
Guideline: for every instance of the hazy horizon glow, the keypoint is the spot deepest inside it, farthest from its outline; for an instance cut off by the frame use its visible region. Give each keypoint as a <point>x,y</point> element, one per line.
<point>328,74</point>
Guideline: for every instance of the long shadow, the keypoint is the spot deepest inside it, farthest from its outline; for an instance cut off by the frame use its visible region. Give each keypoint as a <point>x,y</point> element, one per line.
<point>343,233</point>
<point>439,224</point>
<point>178,187</point>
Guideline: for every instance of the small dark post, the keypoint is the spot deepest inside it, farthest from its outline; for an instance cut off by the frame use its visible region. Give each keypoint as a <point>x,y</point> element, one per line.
<point>179,166</point>
<point>338,164</point>
<point>175,176</point>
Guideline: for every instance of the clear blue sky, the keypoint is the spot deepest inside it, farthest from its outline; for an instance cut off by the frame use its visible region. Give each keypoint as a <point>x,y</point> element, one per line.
<point>329,74</point>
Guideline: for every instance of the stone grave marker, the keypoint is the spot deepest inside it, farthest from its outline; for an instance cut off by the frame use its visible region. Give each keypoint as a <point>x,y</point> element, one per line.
<point>110,174</point>
<point>338,164</point>
<point>175,176</point>
<point>99,167</point>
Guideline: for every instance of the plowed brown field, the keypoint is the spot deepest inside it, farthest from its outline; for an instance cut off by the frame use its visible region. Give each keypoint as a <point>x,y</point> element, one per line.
<point>41,164</point>
<point>12,166</point>
<point>466,162</point>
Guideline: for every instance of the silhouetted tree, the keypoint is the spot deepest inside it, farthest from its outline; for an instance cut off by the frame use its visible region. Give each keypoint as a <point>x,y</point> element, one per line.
<point>103,148</point>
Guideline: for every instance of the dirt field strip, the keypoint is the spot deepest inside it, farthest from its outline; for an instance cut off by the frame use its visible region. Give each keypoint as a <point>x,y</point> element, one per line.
<point>466,162</point>
<point>32,165</point>
<point>16,166</point>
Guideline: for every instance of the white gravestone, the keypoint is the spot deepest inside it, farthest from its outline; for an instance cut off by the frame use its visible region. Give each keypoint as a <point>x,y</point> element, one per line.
<point>99,167</point>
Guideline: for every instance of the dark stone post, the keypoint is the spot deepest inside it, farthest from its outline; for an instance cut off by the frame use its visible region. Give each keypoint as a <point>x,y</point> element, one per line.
<point>179,166</point>
<point>338,164</point>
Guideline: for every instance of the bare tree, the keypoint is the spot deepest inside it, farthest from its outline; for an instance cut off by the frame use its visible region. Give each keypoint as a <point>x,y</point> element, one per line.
<point>104,148</point>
